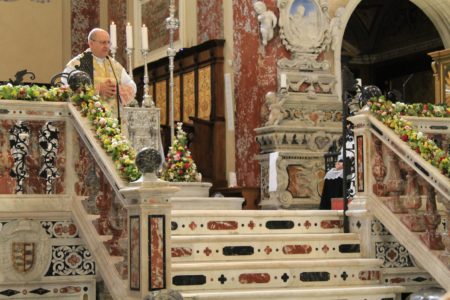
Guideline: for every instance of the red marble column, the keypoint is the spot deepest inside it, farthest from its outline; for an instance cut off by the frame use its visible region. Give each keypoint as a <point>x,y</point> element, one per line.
<point>254,76</point>
<point>210,20</point>
<point>85,16</point>
<point>117,12</point>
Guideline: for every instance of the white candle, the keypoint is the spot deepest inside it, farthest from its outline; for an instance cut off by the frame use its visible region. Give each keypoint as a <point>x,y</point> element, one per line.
<point>283,81</point>
<point>129,32</point>
<point>144,37</point>
<point>113,35</point>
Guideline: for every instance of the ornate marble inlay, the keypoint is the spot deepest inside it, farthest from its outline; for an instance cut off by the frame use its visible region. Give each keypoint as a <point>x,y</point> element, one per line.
<point>393,254</point>
<point>71,261</point>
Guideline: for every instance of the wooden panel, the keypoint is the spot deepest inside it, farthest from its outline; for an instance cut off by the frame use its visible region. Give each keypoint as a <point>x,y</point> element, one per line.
<point>161,97</point>
<point>188,96</point>
<point>176,99</point>
<point>204,93</point>
<point>199,90</point>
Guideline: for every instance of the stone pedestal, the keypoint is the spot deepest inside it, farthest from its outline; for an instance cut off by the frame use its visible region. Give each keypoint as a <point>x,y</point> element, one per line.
<point>149,237</point>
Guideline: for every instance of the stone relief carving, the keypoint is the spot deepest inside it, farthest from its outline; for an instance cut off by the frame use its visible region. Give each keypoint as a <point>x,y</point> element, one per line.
<point>294,180</point>
<point>276,110</point>
<point>267,21</point>
<point>25,251</point>
<point>142,127</point>
<point>304,25</point>
<point>314,141</point>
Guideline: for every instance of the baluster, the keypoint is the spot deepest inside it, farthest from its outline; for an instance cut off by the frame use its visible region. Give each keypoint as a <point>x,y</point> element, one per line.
<point>19,138</point>
<point>395,185</point>
<point>104,202</point>
<point>92,188</point>
<point>378,169</point>
<point>412,201</point>
<point>49,144</point>
<point>445,257</point>
<point>116,225</point>
<point>122,267</point>
<point>431,238</point>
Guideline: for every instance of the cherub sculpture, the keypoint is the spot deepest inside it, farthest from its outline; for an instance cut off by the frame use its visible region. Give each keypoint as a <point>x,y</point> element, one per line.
<point>276,109</point>
<point>267,21</point>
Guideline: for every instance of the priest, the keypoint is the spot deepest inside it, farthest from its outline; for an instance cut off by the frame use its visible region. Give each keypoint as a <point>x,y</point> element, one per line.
<point>110,79</point>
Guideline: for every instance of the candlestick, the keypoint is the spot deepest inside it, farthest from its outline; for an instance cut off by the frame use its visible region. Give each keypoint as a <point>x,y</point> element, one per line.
<point>130,66</point>
<point>129,34</point>
<point>144,31</point>
<point>147,100</point>
<point>172,25</point>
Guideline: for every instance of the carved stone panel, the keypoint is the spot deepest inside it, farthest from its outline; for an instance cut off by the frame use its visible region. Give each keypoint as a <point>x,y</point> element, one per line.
<point>304,25</point>
<point>141,125</point>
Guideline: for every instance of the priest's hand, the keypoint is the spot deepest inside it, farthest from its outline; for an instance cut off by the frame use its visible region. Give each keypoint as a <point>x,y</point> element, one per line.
<point>127,94</point>
<point>107,89</point>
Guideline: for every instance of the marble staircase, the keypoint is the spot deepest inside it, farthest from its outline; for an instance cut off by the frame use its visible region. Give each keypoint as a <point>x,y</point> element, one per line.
<point>270,255</point>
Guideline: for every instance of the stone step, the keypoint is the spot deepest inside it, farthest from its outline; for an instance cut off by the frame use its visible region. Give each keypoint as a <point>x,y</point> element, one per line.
<point>209,203</point>
<point>373,292</point>
<point>198,222</point>
<point>275,274</point>
<point>268,246</point>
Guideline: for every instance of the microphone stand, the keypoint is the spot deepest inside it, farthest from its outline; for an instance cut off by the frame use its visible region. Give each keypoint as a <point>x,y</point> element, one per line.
<point>118,99</point>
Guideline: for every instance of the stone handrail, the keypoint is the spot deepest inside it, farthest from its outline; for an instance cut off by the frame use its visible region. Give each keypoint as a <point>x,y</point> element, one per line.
<point>396,199</point>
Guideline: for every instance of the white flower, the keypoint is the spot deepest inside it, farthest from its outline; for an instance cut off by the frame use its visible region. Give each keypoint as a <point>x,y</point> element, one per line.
<point>419,135</point>
<point>97,104</point>
<point>102,121</point>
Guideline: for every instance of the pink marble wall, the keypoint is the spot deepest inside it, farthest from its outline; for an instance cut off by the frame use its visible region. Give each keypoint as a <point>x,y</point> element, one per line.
<point>154,14</point>
<point>254,76</point>
<point>117,12</point>
<point>210,20</point>
<point>85,16</point>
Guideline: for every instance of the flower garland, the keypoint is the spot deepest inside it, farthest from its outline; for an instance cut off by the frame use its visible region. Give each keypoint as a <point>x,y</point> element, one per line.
<point>106,127</point>
<point>180,166</point>
<point>34,93</point>
<point>391,114</point>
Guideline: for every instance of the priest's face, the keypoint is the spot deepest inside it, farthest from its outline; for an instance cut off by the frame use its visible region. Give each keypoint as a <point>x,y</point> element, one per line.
<point>100,44</point>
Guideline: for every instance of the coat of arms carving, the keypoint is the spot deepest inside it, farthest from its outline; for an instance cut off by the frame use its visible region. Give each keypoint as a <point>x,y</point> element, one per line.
<point>25,250</point>
<point>23,254</point>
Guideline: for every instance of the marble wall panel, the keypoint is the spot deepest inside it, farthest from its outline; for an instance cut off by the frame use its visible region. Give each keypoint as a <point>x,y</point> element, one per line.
<point>85,16</point>
<point>135,261</point>
<point>210,20</point>
<point>157,259</point>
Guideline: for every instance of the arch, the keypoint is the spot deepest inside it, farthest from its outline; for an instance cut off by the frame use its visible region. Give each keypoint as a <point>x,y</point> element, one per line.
<point>436,10</point>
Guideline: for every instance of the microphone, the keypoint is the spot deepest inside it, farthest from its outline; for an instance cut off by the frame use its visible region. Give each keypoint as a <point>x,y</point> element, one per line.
<point>118,99</point>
